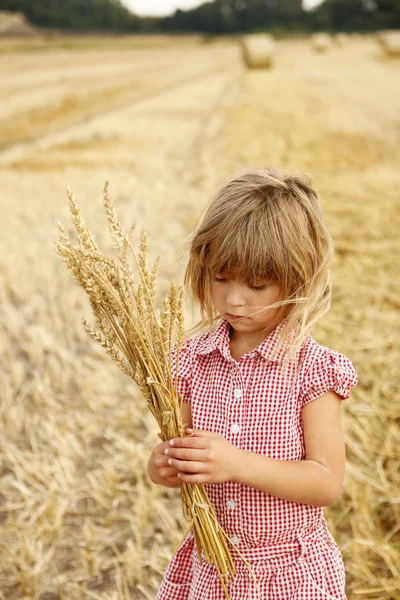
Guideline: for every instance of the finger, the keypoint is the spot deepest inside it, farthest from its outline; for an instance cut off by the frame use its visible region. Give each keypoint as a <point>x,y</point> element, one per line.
<point>168,472</point>
<point>188,442</point>
<point>186,454</point>
<point>161,461</point>
<point>196,478</point>
<point>159,449</point>
<point>173,481</point>
<point>189,466</point>
<point>202,433</point>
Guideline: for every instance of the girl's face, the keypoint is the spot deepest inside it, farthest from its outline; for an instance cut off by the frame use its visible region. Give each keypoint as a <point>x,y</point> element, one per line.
<point>245,306</point>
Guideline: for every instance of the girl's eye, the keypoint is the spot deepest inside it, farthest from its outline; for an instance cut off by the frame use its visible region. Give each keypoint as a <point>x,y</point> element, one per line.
<point>258,288</point>
<point>219,279</point>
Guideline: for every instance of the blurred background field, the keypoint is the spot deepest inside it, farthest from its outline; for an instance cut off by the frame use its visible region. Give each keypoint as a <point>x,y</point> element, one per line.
<point>165,121</point>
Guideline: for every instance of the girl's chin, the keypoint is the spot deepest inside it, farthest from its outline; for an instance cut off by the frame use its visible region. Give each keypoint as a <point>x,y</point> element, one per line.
<point>233,319</point>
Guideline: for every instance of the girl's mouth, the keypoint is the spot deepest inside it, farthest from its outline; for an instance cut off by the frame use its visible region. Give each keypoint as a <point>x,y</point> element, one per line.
<point>235,317</point>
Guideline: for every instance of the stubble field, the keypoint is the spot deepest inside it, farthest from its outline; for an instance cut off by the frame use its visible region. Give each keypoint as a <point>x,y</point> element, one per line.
<point>165,123</point>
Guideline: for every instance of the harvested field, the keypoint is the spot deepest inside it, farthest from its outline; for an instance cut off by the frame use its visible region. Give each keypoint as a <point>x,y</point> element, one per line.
<point>165,124</point>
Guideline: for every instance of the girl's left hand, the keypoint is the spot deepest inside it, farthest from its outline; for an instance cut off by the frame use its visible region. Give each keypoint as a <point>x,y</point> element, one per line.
<point>203,457</point>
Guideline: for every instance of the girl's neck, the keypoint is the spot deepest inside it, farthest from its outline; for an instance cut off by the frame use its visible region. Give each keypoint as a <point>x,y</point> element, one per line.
<point>246,342</point>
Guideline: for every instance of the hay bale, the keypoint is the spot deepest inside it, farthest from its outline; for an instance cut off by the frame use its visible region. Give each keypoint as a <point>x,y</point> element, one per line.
<point>15,23</point>
<point>258,50</point>
<point>341,39</point>
<point>321,42</point>
<point>389,42</point>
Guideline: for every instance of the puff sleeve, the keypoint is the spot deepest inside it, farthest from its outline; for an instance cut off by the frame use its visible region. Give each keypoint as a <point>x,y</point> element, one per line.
<point>184,370</point>
<point>330,371</point>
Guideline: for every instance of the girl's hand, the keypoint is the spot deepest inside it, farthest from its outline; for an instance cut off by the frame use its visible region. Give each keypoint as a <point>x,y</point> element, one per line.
<point>159,470</point>
<point>204,457</point>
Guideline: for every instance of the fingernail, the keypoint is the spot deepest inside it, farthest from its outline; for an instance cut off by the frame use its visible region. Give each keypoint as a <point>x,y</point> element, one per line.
<point>171,442</point>
<point>166,451</point>
<point>170,461</point>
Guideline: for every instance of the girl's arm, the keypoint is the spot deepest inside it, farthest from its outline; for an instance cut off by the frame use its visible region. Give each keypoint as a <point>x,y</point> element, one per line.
<point>207,457</point>
<point>318,479</point>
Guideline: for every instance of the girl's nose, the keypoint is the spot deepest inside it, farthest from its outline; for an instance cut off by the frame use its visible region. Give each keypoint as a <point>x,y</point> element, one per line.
<point>235,298</point>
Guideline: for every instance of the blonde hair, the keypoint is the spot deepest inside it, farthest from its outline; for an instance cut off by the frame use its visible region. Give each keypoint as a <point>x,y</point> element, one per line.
<point>263,225</point>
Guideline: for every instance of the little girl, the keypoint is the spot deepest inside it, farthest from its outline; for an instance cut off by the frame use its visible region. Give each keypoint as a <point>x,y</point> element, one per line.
<point>261,397</point>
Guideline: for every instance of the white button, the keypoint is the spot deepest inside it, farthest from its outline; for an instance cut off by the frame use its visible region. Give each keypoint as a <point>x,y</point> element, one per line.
<point>231,504</point>
<point>253,354</point>
<point>235,539</point>
<point>235,428</point>
<point>237,393</point>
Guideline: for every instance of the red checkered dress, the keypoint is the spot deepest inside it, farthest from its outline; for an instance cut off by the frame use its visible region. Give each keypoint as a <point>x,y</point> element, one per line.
<point>291,551</point>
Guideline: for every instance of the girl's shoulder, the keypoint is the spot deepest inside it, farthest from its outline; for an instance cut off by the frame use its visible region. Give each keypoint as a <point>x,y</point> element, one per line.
<point>324,369</point>
<point>190,347</point>
<point>312,352</point>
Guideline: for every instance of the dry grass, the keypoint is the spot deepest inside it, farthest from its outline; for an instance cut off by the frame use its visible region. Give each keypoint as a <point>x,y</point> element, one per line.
<point>79,518</point>
<point>48,42</point>
<point>63,95</point>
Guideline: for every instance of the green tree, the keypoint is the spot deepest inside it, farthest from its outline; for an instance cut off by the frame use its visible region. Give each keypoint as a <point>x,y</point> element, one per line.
<point>230,16</point>
<point>387,14</point>
<point>356,15</point>
<point>97,15</point>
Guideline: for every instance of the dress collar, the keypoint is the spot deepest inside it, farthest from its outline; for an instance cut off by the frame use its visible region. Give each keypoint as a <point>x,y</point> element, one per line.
<point>219,339</point>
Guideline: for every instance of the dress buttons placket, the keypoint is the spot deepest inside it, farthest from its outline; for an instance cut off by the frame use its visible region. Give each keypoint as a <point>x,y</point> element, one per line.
<point>234,412</point>
<point>234,428</point>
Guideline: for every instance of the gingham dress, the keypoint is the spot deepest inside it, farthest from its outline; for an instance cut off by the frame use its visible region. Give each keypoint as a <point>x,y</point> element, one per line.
<point>291,551</point>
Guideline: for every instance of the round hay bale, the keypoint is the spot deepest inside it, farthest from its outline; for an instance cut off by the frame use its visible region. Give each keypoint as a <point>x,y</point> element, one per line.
<point>258,51</point>
<point>341,39</point>
<point>14,23</point>
<point>321,42</point>
<point>389,42</point>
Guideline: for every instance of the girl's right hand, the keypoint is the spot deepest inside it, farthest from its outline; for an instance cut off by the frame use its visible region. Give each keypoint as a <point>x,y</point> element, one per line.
<point>159,470</point>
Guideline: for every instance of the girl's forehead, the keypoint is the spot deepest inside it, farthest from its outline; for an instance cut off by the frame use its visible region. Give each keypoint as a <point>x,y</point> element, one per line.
<point>238,261</point>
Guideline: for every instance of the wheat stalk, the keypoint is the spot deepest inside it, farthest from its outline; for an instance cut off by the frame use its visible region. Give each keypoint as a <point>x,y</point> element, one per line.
<point>140,339</point>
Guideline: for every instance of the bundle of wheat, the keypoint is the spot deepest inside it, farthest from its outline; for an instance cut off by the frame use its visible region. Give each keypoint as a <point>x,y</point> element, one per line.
<point>390,42</point>
<point>258,50</point>
<point>140,339</point>
<point>321,42</point>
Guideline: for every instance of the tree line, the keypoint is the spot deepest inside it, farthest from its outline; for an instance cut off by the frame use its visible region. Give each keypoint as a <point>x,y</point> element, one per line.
<point>78,15</point>
<point>215,18</point>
